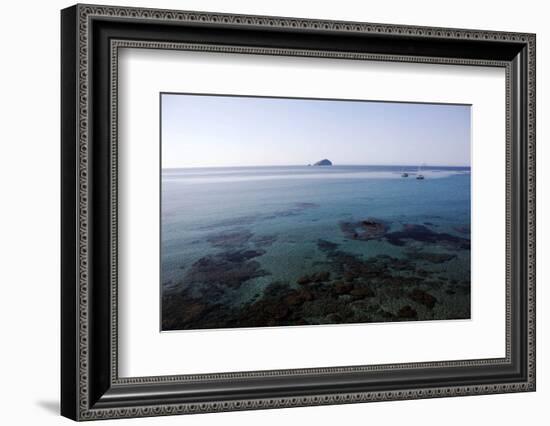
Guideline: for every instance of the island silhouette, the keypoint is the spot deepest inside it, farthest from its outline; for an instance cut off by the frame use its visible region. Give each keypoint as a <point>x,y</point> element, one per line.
<point>323,162</point>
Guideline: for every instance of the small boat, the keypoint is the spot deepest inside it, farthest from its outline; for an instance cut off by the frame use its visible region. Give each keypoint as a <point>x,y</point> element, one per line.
<point>404,174</point>
<point>419,175</point>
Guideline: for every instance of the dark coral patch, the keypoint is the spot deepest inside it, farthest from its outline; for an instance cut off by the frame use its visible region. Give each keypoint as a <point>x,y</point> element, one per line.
<point>406,312</point>
<point>317,277</point>
<point>372,229</point>
<point>230,269</point>
<point>420,296</point>
<point>326,246</point>
<point>368,229</point>
<point>348,288</point>
<point>422,234</point>
<point>360,292</point>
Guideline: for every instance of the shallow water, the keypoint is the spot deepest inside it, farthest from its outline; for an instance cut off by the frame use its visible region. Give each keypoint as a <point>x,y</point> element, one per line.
<point>263,225</point>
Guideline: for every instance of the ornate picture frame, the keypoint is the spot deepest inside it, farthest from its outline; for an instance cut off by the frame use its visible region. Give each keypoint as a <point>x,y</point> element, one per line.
<point>91,37</point>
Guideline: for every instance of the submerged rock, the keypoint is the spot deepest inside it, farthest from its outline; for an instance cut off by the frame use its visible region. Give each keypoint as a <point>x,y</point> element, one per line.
<point>420,296</point>
<point>341,287</point>
<point>348,288</point>
<point>422,234</point>
<point>299,297</point>
<point>230,269</point>
<point>369,229</point>
<point>306,279</point>
<point>317,277</point>
<point>372,229</point>
<point>406,312</point>
<point>360,292</point>
<point>326,246</point>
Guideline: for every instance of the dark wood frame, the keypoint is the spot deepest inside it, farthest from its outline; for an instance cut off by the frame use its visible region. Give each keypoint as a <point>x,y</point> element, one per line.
<point>90,386</point>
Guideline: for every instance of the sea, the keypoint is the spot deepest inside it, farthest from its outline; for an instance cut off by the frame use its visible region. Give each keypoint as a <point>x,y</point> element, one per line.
<point>263,227</point>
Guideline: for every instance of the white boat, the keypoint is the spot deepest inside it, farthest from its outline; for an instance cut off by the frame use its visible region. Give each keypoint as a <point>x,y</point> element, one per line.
<point>419,175</point>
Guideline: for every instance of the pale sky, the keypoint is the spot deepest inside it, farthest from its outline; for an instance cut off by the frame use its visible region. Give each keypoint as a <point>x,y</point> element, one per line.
<point>222,131</point>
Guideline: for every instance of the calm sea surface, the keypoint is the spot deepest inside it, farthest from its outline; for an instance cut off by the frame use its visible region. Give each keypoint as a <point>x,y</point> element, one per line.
<point>282,213</point>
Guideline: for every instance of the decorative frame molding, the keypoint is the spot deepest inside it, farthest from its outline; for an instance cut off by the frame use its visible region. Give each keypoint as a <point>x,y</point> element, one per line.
<point>91,388</point>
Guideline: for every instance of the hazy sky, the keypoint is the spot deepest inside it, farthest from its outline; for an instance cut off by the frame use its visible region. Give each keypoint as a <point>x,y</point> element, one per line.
<point>207,131</point>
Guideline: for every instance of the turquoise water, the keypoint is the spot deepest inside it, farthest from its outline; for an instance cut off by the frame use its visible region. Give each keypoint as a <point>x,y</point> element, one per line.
<point>279,214</point>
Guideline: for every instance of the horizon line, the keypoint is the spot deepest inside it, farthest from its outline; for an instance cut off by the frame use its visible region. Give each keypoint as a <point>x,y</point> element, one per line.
<point>312,165</point>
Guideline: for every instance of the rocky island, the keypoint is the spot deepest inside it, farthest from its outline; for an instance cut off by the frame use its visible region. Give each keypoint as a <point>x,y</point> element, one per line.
<point>323,162</point>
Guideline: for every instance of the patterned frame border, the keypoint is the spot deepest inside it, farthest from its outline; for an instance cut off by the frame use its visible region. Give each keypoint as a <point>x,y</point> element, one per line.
<point>118,44</point>
<point>86,13</point>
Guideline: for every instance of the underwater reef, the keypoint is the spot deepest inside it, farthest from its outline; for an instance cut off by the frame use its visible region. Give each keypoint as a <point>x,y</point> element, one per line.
<point>343,287</point>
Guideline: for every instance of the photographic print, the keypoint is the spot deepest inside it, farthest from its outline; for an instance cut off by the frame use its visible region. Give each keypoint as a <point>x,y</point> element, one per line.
<point>294,211</point>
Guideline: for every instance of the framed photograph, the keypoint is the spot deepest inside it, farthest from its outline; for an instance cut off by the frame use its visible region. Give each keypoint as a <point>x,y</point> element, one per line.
<point>263,212</point>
